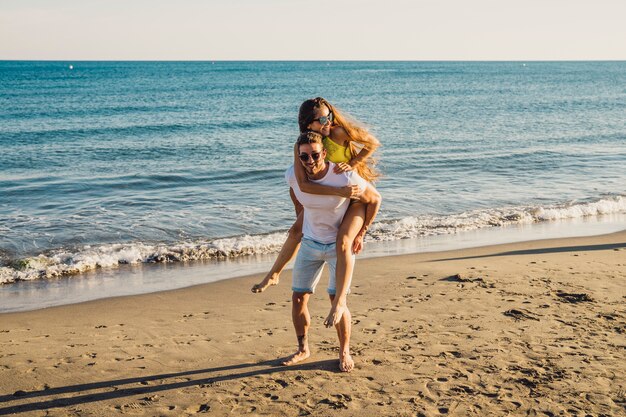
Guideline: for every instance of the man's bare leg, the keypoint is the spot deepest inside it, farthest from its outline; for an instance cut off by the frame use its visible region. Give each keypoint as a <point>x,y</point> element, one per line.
<point>289,249</point>
<point>344,330</point>
<point>301,322</point>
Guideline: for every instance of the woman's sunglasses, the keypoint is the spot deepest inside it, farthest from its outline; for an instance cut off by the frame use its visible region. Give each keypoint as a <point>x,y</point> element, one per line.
<point>304,157</point>
<point>324,119</point>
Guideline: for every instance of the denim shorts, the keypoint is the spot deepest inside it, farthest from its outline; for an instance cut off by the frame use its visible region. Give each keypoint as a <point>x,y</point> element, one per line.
<point>307,269</point>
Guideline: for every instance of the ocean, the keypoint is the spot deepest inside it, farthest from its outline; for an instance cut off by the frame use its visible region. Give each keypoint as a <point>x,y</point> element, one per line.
<point>107,164</point>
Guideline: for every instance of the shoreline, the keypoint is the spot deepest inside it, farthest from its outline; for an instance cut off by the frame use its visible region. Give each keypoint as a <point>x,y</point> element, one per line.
<point>525,327</point>
<point>423,230</point>
<point>135,279</point>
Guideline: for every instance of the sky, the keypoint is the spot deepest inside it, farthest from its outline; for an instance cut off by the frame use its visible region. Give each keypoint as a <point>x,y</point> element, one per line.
<point>312,30</point>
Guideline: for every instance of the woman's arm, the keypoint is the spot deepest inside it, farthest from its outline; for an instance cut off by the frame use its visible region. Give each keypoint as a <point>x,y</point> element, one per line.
<point>361,157</point>
<point>296,204</point>
<point>367,141</point>
<point>370,144</point>
<point>306,186</point>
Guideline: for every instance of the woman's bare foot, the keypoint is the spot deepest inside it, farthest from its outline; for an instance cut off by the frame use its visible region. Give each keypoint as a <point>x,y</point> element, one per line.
<point>346,364</point>
<point>299,356</point>
<point>269,281</point>
<point>335,314</point>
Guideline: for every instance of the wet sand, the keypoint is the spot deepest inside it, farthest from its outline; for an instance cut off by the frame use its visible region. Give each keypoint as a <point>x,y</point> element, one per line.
<point>535,328</point>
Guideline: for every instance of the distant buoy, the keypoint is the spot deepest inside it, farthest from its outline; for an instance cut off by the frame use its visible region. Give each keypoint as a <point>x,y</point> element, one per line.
<point>524,64</point>
<point>71,66</point>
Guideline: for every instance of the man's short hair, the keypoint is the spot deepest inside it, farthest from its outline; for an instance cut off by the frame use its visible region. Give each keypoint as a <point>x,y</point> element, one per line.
<point>309,137</point>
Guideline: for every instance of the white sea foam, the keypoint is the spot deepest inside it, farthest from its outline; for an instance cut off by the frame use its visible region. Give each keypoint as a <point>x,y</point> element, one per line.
<point>61,263</point>
<point>412,227</point>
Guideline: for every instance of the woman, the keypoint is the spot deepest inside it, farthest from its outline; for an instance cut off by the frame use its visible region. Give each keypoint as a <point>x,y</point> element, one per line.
<point>349,146</point>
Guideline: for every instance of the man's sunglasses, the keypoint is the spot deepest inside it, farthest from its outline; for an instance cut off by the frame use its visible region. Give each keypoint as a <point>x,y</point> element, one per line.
<point>324,119</point>
<point>304,157</point>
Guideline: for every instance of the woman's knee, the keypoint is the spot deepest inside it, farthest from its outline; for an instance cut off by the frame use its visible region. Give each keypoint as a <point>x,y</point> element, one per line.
<point>350,226</point>
<point>344,243</point>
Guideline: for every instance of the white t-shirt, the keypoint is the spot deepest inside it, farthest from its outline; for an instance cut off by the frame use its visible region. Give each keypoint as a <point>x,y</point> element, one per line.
<point>323,213</point>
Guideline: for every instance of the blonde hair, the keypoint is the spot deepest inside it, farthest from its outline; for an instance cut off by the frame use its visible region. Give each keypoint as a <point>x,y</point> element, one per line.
<point>358,135</point>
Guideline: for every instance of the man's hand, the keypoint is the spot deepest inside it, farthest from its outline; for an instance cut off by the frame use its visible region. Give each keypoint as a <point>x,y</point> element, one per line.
<point>350,191</point>
<point>357,245</point>
<point>342,167</point>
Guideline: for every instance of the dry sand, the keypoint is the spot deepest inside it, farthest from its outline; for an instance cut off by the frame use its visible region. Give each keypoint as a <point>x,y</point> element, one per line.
<point>535,328</point>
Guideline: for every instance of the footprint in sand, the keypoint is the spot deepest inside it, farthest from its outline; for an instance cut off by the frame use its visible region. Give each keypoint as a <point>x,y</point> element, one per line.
<point>197,409</point>
<point>463,389</point>
<point>338,402</point>
<point>282,383</point>
<point>408,359</point>
<point>520,315</point>
<point>132,408</point>
<point>573,298</point>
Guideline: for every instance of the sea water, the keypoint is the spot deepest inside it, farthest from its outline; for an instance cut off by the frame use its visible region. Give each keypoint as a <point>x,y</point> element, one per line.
<point>110,163</point>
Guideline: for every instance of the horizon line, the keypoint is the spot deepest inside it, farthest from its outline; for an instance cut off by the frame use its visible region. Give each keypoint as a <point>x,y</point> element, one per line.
<point>311,60</point>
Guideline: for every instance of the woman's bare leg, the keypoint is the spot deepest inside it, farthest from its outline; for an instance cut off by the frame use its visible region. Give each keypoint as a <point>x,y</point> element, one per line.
<point>289,249</point>
<point>344,329</point>
<point>350,226</point>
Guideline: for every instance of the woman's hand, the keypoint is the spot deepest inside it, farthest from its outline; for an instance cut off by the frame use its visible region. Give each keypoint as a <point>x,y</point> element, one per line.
<point>352,192</point>
<point>342,167</point>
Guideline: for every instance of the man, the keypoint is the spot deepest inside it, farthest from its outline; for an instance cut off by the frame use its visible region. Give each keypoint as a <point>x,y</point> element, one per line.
<point>322,218</point>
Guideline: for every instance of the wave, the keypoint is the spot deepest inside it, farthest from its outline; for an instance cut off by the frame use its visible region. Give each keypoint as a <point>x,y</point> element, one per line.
<point>70,262</point>
<point>19,136</point>
<point>101,111</point>
<point>61,263</point>
<point>429,225</point>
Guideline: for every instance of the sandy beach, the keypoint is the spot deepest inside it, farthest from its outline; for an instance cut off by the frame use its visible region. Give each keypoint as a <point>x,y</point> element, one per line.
<point>535,328</point>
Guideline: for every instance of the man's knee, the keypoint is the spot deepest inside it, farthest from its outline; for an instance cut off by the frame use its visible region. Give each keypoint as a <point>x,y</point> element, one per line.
<point>299,299</point>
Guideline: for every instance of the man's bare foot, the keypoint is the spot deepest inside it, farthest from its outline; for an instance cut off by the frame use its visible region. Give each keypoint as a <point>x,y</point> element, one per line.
<point>334,317</point>
<point>346,364</point>
<point>299,356</point>
<point>268,281</point>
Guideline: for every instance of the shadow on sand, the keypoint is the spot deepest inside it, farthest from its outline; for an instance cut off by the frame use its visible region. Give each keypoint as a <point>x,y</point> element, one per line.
<point>117,389</point>
<point>611,246</point>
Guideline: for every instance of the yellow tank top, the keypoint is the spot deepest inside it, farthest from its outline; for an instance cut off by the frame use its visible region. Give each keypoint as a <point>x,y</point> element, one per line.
<point>336,153</point>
